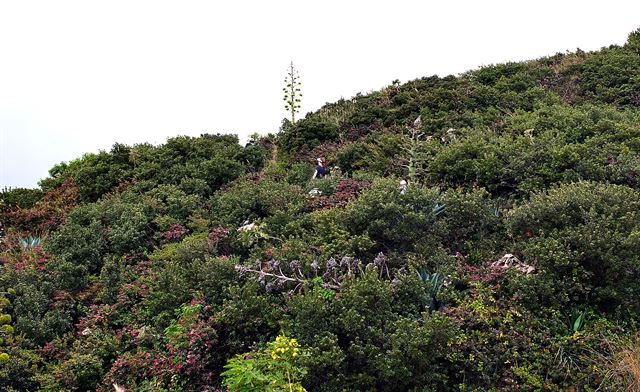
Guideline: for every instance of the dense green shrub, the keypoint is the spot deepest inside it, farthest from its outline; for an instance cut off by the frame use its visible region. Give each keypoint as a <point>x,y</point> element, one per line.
<point>610,76</point>
<point>471,222</point>
<point>300,173</point>
<point>80,372</point>
<point>359,341</point>
<point>182,272</point>
<point>19,198</point>
<point>391,219</point>
<point>112,226</point>
<point>309,131</point>
<point>34,316</point>
<point>247,200</point>
<point>214,159</point>
<point>354,157</point>
<point>633,41</point>
<point>584,237</point>
<point>247,317</point>
<point>20,373</point>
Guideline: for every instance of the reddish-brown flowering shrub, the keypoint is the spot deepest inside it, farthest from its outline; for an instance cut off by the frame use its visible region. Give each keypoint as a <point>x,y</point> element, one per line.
<point>219,238</point>
<point>346,189</point>
<point>47,214</point>
<point>189,355</point>
<point>175,233</point>
<point>32,258</point>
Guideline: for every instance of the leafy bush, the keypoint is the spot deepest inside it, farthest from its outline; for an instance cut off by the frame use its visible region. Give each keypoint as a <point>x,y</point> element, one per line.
<point>359,341</point>
<point>80,372</point>
<point>585,234</point>
<point>46,214</point>
<point>309,131</point>
<point>249,201</point>
<point>180,278</point>
<point>300,173</point>
<point>277,367</point>
<point>391,219</point>
<point>19,198</point>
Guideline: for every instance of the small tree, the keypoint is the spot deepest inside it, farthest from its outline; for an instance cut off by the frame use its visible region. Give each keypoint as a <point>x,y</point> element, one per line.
<point>292,92</point>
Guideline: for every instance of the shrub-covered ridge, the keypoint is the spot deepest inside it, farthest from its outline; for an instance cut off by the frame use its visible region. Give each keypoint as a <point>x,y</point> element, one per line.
<point>202,265</point>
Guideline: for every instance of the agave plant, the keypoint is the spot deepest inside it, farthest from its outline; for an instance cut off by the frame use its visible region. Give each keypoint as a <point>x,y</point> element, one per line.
<point>578,320</point>
<point>438,209</point>
<point>435,282</point>
<point>29,242</point>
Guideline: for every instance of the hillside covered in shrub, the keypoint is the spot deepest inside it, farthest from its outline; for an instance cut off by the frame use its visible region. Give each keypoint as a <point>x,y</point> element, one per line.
<point>510,262</point>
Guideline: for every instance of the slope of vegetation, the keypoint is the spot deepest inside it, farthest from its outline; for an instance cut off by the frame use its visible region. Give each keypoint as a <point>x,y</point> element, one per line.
<point>510,263</point>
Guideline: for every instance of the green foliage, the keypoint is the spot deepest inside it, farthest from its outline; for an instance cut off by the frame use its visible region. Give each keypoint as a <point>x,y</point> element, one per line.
<point>611,76</point>
<point>169,200</point>
<point>176,329</point>
<point>435,282</point>
<point>391,219</point>
<point>204,163</point>
<point>80,372</point>
<point>633,42</point>
<point>585,241</point>
<point>470,223</point>
<point>308,132</point>
<point>299,173</point>
<point>247,200</point>
<point>37,316</point>
<point>377,154</point>
<point>333,238</point>
<point>510,262</point>
<point>114,226</point>
<point>181,272</point>
<point>578,322</point>
<point>20,372</point>
<point>19,197</point>
<point>245,317</point>
<point>361,340</point>
<point>353,157</point>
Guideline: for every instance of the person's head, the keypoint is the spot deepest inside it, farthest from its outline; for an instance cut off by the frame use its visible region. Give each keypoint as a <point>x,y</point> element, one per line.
<point>321,161</point>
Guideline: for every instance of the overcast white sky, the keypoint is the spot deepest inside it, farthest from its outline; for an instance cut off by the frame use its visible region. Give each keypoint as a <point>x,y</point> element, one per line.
<point>78,76</point>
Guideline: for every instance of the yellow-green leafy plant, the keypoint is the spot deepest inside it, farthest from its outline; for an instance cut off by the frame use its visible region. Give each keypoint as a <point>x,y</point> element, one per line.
<point>277,367</point>
<point>6,330</point>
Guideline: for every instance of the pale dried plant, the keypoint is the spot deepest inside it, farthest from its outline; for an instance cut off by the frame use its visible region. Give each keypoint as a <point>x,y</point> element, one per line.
<point>627,367</point>
<point>118,388</point>
<point>619,364</point>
